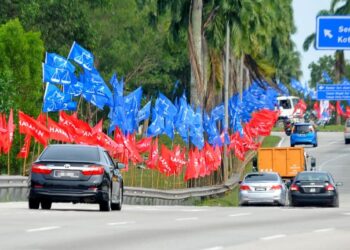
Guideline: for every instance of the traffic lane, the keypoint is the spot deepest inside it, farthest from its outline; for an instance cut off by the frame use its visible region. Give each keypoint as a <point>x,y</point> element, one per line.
<point>157,227</point>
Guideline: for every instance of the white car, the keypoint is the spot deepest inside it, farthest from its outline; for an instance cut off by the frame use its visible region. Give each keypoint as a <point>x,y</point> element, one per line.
<point>347,131</point>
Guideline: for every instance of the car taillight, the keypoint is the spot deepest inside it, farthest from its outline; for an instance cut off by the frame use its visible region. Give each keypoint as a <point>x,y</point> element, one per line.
<point>93,170</point>
<point>276,187</point>
<point>41,169</point>
<point>244,187</point>
<point>294,188</point>
<point>330,187</point>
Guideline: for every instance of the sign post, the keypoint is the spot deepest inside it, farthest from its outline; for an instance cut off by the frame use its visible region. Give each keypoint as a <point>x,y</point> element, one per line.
<point>333,32</point>
<point>333,92</point>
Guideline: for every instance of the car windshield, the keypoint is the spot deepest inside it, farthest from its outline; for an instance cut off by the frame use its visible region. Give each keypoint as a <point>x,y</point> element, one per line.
<point>303,129</point>
<point>70,153</point>
<point>285,104</point>
<point>260,177</point>
<point>312,177</point>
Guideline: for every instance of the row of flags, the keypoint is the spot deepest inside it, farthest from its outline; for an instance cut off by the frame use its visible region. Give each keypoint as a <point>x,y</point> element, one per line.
<point>126,113</point>
<point>126,148</point>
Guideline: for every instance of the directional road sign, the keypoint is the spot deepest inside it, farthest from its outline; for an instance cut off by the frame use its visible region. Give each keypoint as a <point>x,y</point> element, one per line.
<point>333,32</point>
<point>334,92</point>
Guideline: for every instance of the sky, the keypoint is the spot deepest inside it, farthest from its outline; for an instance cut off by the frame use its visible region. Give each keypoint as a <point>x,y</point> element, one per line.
<point>305,12</point>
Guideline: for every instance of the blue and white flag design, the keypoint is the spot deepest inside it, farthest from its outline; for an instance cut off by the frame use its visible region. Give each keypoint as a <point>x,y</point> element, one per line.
<point>81,56</point>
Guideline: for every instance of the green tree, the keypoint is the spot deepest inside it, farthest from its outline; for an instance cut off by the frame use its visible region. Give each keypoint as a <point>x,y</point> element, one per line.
<point>324,63</point>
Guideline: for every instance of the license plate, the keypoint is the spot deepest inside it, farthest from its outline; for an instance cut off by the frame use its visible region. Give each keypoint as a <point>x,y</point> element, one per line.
<point>260,189</point>
<point>312,190</point>
<point>65,173</point>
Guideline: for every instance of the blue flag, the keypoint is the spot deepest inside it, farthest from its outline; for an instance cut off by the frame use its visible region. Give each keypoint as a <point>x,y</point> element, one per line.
<point>118,86</point>
<point>55,100</point>
<point>97,100</point>
<point>157,125</point>
<point>81,56</point>
<point>75,89</point>
<point>218,113</point>
<point>58,61</point>
<point>326,77</point>
<point>164,106</point>
<point>144,113</point>
<point>57,75</point>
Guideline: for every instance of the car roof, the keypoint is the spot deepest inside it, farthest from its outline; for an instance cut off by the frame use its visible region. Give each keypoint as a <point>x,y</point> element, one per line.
<point>73,145</point>
<point>303,124</point>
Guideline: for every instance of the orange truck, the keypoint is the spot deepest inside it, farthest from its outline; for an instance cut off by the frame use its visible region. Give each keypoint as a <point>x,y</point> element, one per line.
<point>286,161</point>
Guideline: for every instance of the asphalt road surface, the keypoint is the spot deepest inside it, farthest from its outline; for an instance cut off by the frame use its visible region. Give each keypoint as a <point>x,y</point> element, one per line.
<point>68,226</point>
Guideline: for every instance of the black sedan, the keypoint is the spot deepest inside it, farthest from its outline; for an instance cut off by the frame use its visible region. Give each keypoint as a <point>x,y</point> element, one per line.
<point>78,174</point>
<point>314,187</point>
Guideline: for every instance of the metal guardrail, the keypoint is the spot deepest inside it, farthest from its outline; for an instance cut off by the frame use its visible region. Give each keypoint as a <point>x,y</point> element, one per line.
<point>15,188</point>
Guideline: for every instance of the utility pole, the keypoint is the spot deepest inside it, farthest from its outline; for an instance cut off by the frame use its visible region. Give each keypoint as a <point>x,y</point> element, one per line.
<point>225,172</point>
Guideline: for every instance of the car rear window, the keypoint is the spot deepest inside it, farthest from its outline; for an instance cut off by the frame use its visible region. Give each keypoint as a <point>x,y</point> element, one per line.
<point>303,129</point>
<point>70,153</point>
<point>261,177</point>
<point>312,177</point>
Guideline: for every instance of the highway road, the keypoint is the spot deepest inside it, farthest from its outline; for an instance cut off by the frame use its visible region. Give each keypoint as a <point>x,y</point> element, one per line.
<point>82,226</point>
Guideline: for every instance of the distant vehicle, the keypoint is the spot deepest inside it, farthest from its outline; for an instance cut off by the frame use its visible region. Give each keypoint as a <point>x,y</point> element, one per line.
<point>263,188</point>
<point>347,131</point>
<point>286,161</point>
<point>286,105</point>
<point>78,174</point>
<point>314,187</point>
<point>303,133</point>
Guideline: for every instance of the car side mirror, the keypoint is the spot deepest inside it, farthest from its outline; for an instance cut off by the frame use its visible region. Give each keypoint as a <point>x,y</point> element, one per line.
<point>339,184</point>
<point>313,162</point>
<point>120,165</point>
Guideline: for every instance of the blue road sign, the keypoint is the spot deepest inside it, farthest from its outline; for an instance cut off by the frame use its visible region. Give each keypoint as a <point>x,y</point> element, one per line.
<point>333,32</point>
<point>333,92</point>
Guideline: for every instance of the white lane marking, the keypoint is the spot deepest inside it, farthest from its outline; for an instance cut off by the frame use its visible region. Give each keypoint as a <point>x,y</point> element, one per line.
<point>188,218</point>
<point>273,237</point>
<point>346,213</point>
<point>214,248</point>
<point>120,223</point>
<point>193,210</point>
<point>240,214</point>
<point>41,229</point>
<point>323,230</point>
<point>280,143</point>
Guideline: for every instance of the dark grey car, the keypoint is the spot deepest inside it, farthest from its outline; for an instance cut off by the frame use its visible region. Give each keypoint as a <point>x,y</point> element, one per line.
<point>78,174</point>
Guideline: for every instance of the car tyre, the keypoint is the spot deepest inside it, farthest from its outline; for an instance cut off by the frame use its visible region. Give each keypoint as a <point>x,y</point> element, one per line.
<point>346,141</point>
<point>293,203</point>
<point>33,203</point>
<point>292,145</point>
<point>118,206</point>
<point>335,203</point>
<point>46,205</point>
<point>105,205</point>
<point>315,145</point>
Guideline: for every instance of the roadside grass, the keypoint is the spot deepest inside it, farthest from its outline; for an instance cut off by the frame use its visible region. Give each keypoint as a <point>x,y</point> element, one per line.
<point>331,128</point>
<point>230,198</point>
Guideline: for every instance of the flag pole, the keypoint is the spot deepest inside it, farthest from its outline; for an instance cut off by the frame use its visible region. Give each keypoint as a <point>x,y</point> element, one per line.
<point>8,163</point>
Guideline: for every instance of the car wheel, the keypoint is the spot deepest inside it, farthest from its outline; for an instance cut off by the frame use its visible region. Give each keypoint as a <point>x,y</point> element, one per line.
<point>293,203</point>
<point>346,141</point>
<point>46,205</point>
<point>315,145</point>
<point>292,145</point>
<point>33,203</point>
<point>335,202</point>
<point>105,205</point>
<point>118,206</point>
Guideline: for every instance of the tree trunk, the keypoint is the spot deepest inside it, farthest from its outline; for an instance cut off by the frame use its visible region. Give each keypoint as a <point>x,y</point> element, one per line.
<point>197,61</point>
<point>339,73</point>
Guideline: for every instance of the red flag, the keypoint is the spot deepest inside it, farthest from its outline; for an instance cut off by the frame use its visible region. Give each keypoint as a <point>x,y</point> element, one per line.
<point>109,144</point>
<point>339,109</point>
<point>26,148</point>
<point>57,132</point>
<point>237,146</point>
<point>152,161</point>
<point>27,125</point>
<point>164,165</point>
<point>317,109</point>
<point>144,145</point>
<point>98,127</point>
<point>192,170</point>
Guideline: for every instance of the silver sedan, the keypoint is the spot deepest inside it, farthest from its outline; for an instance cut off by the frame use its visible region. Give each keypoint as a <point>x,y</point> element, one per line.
<point>261,188</point>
